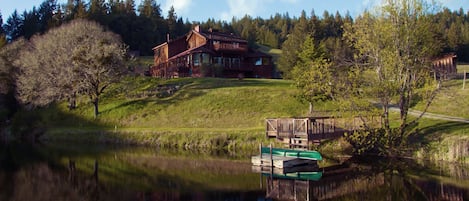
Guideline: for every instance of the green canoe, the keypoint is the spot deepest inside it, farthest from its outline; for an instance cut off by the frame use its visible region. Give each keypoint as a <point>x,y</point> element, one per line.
<point>303,154</point>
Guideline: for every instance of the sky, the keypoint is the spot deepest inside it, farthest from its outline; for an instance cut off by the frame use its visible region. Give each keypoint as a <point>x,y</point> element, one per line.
<point>201,10</point>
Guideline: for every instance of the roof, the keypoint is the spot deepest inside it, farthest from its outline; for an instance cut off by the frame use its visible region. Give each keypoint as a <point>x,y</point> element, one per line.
<point>257,53</point>
<point>223,37</point>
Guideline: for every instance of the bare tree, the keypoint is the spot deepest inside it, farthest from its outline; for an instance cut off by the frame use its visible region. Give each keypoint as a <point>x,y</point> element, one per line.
<point>79,58</point>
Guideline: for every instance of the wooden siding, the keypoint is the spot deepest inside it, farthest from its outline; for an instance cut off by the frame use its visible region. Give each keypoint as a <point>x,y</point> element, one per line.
<point>445,66</point>
<point>195,40</point>
<point>185,56</point>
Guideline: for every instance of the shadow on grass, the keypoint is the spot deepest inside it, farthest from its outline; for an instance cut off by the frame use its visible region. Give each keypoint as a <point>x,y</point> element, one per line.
<point>435,132</point>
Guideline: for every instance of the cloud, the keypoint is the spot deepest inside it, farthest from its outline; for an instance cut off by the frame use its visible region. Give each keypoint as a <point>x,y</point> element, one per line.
<point>180,6</point>
<point>240,8</point>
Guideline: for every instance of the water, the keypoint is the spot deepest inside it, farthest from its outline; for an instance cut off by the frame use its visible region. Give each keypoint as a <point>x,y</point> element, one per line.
<point>78,172</point>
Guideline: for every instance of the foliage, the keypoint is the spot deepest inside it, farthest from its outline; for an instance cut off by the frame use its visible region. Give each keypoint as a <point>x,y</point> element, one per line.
<point>77,58</point>
<point>312,74</point>
<point>393,45</point>
<point>8,55</point>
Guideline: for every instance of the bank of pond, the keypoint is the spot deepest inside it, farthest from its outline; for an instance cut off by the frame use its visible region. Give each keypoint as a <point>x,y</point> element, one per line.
<point>72,171</point>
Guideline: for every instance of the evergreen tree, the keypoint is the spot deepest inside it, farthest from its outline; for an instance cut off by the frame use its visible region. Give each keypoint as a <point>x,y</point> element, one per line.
<point>290,47</point>
<point>14,26</point>
<point>30,23</point>
<point>150,9</point>
<point>171,21</point>
<point>3,38</point>
<point>98,11</point>
<point>46,12</point>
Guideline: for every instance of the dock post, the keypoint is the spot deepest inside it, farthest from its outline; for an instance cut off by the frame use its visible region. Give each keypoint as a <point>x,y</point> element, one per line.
<point>271,158</point>
<point>260,151</point>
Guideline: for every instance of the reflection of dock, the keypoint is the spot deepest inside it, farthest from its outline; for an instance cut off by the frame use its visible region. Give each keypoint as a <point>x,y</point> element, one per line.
<point>333,182</point>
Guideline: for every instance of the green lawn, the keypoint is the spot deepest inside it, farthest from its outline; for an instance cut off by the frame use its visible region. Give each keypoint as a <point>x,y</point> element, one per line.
<point>451,100</point>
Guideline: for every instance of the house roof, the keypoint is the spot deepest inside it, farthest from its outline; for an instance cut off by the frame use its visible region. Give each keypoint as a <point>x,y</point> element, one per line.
<point>220,36</point>
<point>160,45</point>
<point>256,53</point>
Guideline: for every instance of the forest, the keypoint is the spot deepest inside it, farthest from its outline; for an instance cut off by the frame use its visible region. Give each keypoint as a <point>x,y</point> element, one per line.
<point>144,26</point>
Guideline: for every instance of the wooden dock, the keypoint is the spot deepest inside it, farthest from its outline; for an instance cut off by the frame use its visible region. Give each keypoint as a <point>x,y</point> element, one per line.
<point>302,132</point>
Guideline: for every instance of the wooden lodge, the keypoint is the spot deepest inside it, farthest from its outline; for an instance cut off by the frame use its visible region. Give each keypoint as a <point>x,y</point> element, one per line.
<point>210,53</point>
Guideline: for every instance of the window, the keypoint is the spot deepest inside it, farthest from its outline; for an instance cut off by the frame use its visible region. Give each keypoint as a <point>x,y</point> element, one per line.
<point>236,62</point>
<point>258,62</point>
<point>217,60</point>
<point>235,45</point>
<point>205,58</point>
<point>215,42</point>
<point>196,59</point>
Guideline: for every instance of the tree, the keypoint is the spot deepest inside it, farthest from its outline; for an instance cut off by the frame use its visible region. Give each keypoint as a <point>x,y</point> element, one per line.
<point>98,10</point>
<point>79,58</point>
<point>290,48</point>
<point>313,74</point>
<point>392,67</point>
<point>149,9</point>
<point>31,24</point>
<point>171,21</point>
<point>14,26</point>
<point>8,57</point>
<point>3,38</point>
<point>46,12</point>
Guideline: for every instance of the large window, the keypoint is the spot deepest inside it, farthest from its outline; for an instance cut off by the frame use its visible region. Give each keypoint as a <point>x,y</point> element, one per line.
<point>258,62</point>
<point>236,62</point>
<point>205,58</point>
<point>217,60</point>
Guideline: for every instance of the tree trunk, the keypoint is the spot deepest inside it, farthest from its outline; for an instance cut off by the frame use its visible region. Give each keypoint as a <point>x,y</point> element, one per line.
<point>96,109</point>
<point>72,102</point>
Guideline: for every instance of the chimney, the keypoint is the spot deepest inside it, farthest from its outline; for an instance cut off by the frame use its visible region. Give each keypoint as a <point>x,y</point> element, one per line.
<point>197,28</point>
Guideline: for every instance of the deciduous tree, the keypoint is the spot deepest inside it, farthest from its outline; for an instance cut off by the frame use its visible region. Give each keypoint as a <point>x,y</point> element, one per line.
<point>79,58</point>
<point>394,45</point>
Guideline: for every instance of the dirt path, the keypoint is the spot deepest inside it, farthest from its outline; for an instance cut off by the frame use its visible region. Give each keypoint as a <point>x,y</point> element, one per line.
<point>434,116</point>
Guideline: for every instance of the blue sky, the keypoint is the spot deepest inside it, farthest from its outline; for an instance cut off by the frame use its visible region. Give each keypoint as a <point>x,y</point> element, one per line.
<point>201,10</point>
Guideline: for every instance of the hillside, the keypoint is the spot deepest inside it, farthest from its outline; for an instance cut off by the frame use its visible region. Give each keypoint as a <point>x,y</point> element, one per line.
<point>207,103</point>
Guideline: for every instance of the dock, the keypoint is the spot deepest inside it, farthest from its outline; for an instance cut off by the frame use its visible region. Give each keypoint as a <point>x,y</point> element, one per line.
<point>302,132</point>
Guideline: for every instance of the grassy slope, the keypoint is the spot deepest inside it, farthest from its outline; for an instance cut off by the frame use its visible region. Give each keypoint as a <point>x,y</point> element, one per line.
<point>442,140</point>
<point>226,109</point>
<point>209,104</point>
<point>230,109</point>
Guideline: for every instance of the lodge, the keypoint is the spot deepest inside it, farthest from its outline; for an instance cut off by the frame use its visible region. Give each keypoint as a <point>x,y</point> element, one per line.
<point>209,53</point>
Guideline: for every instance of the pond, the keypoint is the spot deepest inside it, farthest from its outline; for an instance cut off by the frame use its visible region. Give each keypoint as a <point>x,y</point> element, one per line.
<point>99,172</point>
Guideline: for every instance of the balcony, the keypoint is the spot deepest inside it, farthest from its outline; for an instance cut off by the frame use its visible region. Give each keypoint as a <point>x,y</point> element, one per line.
<point>230,47</point>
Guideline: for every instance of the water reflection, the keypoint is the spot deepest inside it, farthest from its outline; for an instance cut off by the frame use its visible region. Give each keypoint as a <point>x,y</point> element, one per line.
<point>76,172</point>
<point>361,180</point>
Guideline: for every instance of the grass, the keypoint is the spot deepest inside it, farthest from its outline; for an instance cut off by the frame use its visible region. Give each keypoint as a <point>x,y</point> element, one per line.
<point>223,104</point>
<point>463,68</point>
<point>451,100</point>
<point>204,113</point>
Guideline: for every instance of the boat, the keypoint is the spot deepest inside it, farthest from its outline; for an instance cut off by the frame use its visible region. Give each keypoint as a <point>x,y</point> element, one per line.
<point>301,154</point>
